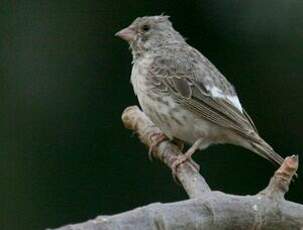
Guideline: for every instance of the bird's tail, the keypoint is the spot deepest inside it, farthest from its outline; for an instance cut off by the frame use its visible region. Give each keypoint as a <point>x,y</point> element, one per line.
<point>265,150</point>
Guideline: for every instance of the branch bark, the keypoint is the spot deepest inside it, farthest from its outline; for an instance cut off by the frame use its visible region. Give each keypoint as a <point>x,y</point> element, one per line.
<point>211,210</point>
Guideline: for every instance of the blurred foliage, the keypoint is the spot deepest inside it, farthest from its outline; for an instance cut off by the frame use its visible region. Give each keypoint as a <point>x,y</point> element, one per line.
<point>64,81</point>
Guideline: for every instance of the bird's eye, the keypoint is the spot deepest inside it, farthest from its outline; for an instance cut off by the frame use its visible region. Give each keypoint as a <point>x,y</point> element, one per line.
<point>145,27</point>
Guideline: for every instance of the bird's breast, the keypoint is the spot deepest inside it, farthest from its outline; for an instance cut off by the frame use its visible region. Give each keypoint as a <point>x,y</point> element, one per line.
<point>139,76</point>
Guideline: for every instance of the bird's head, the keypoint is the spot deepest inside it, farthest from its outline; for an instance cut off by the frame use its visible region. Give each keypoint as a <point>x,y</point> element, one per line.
<point>148,33</point>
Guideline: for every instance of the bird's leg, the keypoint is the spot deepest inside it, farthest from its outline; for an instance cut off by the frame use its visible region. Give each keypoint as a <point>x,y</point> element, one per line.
<point>187,156</point>
<point>156,139</point>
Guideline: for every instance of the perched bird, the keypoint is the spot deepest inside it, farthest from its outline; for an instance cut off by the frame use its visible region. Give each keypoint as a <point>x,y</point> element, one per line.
<point>184,94</point>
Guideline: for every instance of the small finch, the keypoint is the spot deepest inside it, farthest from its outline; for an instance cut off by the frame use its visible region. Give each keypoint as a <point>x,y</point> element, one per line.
<point>184,94</point>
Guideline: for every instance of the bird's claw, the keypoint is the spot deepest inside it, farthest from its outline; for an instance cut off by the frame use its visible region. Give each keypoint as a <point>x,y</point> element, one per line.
<point>180,160</point>
<point>156,139</point>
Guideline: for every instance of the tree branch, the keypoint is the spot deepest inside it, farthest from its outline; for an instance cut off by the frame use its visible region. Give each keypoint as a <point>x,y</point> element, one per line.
<point>211,210</point>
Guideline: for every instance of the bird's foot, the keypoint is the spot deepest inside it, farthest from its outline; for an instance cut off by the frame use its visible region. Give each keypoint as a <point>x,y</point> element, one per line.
<point>186,157</point>
<point>182,159</point>
<point>156,139</point>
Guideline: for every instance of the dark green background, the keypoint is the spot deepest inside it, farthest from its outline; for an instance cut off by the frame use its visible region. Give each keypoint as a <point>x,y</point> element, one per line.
<point>64,81</point>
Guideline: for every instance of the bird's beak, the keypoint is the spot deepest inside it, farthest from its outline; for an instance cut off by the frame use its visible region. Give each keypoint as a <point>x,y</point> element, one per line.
<point>128,34</point>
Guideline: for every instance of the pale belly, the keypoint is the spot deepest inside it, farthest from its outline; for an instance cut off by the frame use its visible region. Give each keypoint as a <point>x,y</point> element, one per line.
<point>176,122</point>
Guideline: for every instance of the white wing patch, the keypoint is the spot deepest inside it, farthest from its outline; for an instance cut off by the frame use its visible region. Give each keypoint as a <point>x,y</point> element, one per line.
<point>216,92</point>
<point>235,101</point>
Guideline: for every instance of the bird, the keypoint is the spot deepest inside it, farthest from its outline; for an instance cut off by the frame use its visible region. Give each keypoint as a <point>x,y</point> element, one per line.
<point>184,94</point>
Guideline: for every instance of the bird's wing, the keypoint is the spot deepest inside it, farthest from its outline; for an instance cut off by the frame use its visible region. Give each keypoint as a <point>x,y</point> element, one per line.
<point>201,88</point>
